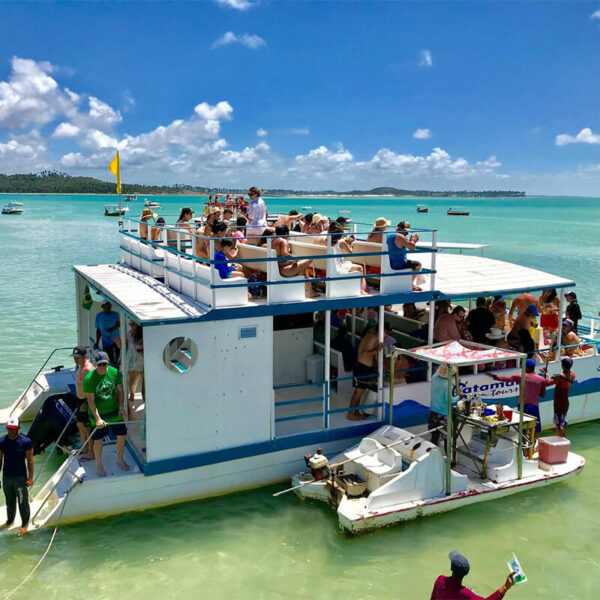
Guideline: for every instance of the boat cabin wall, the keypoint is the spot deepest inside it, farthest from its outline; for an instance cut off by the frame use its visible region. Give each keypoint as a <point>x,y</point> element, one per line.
<point>208,386</point>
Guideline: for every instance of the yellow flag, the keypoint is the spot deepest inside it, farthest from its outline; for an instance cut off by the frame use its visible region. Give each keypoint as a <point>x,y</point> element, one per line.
<point>115,169</point>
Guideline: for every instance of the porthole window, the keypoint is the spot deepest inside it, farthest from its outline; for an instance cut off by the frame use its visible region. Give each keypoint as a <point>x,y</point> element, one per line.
<point>180,355</point>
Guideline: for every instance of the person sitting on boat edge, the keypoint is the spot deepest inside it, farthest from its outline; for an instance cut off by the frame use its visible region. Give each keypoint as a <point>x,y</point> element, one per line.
<point>157,229</point>
<point>16,449</point>
<point>146,215</point>
<point>398,243</point>
<point>107,324</point>
<point>452,588</point>
<point>103,387</point>
<point>570,338</point>
<point>535,388</point>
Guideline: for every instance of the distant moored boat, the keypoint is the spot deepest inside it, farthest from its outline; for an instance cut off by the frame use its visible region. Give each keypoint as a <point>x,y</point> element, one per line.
<point>12,208</point>
<point>422,208</point>
<point>458,211</point>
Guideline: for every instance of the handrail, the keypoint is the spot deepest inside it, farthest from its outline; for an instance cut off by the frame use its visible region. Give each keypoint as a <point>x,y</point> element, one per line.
<point>24,394</point>
<point>71,457</point>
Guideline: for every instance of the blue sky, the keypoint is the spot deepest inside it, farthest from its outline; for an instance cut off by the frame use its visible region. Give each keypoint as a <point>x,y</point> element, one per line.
<point>306,95</point>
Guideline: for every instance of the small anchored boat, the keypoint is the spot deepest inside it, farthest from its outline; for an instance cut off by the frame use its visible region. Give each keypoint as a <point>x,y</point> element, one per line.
<point>113,210</point>
<point>421,208</point>
<point>130,198</point>
<point>151,204</point>
<point>12,208</point>
<point>459,211</point>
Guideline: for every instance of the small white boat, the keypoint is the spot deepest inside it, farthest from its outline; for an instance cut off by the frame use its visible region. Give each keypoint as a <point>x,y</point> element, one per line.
<point>113,210</point>
<point>12,208</point>
<point>151,204</point>
<point>460,211</point>
<point>422,208</point>
<point>130,198</point>
<point>393,476</point>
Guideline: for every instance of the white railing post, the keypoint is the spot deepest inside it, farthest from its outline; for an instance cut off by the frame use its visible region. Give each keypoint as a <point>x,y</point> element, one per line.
<point>432,302</point>
<point>380,360</point>
<point>561,312</point>
<point>270,269</point>
<point>328,262</point>
<point>211,254</point>
<point>326,379</point>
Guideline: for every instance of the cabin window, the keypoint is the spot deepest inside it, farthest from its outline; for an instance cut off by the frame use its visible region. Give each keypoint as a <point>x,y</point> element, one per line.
<point>180,355</point>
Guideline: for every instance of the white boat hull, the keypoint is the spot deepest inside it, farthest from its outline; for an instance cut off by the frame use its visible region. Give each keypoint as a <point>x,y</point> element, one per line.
<point>354,519</point>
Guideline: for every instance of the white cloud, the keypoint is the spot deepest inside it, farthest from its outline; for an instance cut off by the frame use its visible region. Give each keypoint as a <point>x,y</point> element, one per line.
<point>425,59</point>
<point>250,40</point>
<point>31,96</point>
<point>595,14</point>
<point>261,132</point>
<point>296,131</point>
<point>439,164</point>
<point>236,4</point>
<point>66,130</point>
<point>23,153</point>
<point>585,136</point>
<point>422,134</point>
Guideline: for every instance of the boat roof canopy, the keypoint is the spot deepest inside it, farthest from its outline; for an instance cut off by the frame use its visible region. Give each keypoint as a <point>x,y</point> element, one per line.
<point>463,276</point>
<point>142,296</point>
<point>462,353</point>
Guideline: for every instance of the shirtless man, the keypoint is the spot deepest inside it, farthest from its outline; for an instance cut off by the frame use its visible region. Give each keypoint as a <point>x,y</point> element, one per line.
<point>450,326</point>
<point>365,369</point>
<point>289,219</point>
<point>290,268</point>
<point>202,246</point>
<point>520,303</point>
<point>570,338</point>
<point>523,321</point>
<point>84,366</point>
<point>146,215</point>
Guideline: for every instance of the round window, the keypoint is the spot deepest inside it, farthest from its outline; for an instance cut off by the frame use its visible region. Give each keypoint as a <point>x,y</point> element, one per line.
<point>180,355</point>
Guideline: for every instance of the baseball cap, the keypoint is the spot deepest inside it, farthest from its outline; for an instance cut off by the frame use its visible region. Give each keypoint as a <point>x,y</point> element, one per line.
<point>458,563</point>
<point>568,323</point>
<point>530,363</point>
<point>79,352</point>
<point>532,308</point>
<point>102,359</point>
<point>12,423</point>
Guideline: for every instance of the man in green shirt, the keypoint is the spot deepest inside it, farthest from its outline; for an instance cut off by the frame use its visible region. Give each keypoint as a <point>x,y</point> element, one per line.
<point>103,387</point>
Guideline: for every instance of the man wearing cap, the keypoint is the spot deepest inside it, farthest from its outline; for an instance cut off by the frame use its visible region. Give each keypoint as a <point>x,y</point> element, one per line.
<point>84,366</point>
<point>535,388</point>
<point>398,243</point>
<point>376,235</point>
<point>107,324</point>
<point>523,321</point>
<point>521,303</point>
<point>15,450</point>
<point>452,588</point>
<point>103,387</point>
<point>573,312</point>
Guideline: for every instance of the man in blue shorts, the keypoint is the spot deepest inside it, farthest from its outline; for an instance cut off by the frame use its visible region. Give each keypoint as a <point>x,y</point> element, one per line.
<point>15,450</point>
<point>107,326</point>
<point>103,387</point>
<point>398,243</point>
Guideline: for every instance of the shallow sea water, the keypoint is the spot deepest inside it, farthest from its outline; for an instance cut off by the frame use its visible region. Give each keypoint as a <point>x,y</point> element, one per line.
<point>250,545</point>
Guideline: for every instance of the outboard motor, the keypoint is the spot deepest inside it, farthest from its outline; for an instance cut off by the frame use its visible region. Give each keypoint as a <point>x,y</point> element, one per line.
<point>51,420</point>
<point>317,463</point>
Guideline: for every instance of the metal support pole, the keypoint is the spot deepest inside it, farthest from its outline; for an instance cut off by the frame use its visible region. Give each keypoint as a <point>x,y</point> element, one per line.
<point>561,312</point>
<point>269,269</point>
<point>211,254</point>
<point>353,324</point>
<point>326,379</point>
<point>521,408</point>
<point>432,303</point>
<point>380,359</point>
<point>449,433</point>
<point>391,398</point>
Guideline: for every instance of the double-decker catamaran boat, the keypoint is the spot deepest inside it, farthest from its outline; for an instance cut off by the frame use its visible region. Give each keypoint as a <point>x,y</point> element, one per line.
<point>239,387</point>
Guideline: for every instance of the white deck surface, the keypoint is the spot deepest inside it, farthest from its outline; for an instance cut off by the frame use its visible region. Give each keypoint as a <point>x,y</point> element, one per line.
<point>466,275</point>
<point>141,295</point>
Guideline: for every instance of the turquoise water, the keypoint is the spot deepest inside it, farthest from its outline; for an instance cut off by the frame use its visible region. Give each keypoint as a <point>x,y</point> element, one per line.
<point>251,545</point>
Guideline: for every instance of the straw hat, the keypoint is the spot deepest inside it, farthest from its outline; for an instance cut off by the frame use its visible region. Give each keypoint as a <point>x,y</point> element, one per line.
<point>318,218</point>
<point>147,212</point>
<point>443,370</point>
<point>495,333</point>
<point>382,222</point>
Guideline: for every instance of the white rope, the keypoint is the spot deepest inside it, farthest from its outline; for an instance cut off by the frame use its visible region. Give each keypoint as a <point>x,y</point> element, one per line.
<point>31,573</point>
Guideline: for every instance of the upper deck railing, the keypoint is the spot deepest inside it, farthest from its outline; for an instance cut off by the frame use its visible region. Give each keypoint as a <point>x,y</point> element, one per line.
<point>171,253</point>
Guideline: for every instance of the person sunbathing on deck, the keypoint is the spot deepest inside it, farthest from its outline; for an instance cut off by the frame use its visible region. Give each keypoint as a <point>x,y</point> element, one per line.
<point>290,268</point>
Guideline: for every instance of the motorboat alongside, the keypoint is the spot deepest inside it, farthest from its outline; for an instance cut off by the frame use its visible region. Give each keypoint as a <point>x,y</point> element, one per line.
<point>392,476</point>
<point>422,208</point>
<point>12,208</point>
<point>114,210</point>
<point>460,211</point>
